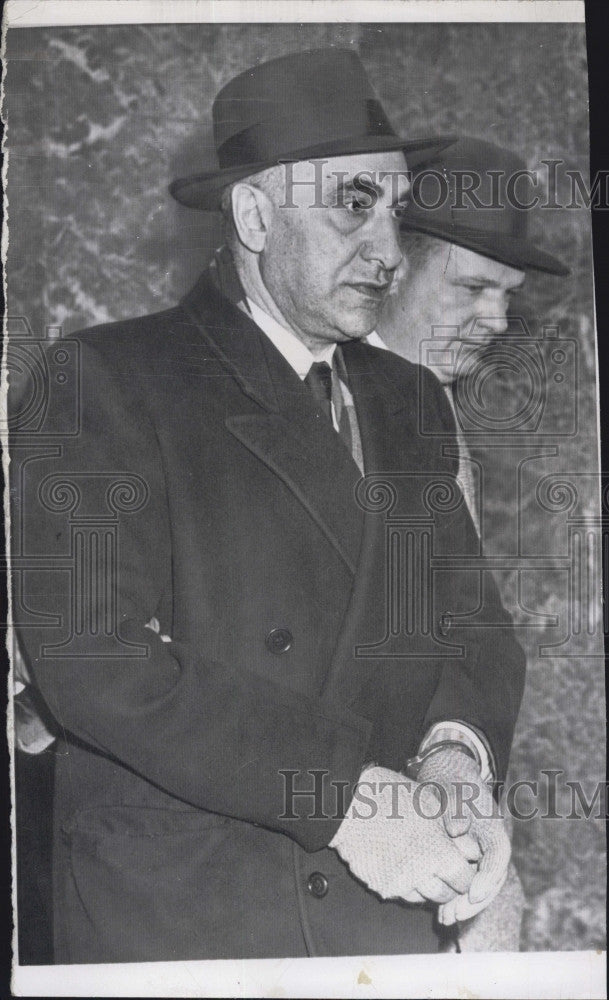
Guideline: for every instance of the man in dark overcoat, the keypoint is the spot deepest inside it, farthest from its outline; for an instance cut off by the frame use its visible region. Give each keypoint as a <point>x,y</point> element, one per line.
<point>256,608</point>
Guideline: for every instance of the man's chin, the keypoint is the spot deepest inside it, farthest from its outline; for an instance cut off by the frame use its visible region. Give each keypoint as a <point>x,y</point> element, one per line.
<point>351,338</point>
<point>357,327</point>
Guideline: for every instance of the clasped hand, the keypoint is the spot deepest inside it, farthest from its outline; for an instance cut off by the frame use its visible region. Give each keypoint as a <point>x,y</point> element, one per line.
<point>427,840</point>
<point>474,824</point>
<point>450,847</point>
<point>390,843</point>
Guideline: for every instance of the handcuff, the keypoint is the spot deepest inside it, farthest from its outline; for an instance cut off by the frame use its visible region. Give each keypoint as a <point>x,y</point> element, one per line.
<point>414,764</point>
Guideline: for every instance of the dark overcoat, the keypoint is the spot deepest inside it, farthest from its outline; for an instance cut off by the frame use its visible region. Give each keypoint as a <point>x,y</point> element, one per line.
<point>204,489</point>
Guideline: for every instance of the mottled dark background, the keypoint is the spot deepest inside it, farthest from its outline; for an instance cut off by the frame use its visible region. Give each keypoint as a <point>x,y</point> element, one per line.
<point>100,119</point>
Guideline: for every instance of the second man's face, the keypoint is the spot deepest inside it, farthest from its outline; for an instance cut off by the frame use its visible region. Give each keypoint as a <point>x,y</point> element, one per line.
<point>333,246</point>
<point>455,297</point>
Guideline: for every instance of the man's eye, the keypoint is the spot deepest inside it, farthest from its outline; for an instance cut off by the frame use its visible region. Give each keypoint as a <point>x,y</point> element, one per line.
<point>355,206</point>
<point>399,210</point>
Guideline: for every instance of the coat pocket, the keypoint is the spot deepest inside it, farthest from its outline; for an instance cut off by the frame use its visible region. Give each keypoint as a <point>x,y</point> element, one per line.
<point>140,821</point>
<point>143,882</point>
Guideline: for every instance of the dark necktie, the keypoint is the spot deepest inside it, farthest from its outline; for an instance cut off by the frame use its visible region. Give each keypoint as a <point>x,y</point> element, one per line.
<point>319,381</point>
<point>324,383</point>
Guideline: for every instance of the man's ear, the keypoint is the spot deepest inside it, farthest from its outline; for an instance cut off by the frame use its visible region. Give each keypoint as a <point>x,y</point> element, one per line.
<point>252,210</point>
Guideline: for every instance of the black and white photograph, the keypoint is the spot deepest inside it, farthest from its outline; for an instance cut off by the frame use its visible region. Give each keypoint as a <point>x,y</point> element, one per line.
<point>305,504</point>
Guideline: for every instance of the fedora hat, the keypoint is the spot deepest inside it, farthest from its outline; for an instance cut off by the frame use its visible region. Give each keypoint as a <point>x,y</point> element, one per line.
<point>313,104</point>
<point>440,207</point>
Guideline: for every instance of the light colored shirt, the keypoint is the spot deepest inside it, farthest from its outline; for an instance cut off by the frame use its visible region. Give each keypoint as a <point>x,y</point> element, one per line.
<point>297,354</point>
<point>300,358</point>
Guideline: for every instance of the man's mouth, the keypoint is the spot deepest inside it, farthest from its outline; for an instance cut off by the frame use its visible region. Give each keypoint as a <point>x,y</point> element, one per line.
<point>372,289</point>
<point>477,343</point>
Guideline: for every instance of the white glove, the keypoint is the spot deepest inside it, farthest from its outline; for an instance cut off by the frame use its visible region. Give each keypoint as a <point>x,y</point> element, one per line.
<point>390,843</point>
<point>470,812</point>
<point>498,927</point>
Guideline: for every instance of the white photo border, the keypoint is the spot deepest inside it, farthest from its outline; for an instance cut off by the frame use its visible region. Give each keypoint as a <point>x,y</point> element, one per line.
<point>540,975</point>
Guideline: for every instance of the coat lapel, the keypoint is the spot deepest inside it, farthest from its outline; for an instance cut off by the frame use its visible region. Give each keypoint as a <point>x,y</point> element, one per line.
<point>285,431</point>
<point>388,418</point>
<point>388,422</point>
<point>298,444</point>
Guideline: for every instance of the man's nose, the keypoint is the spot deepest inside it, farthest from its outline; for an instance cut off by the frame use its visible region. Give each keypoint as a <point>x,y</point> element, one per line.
<point>382,243</point>
<point>494,317</point>
<point>496,324</point>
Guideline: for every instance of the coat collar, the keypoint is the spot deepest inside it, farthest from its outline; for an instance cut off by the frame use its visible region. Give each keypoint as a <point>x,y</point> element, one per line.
<point>284,431</point>
<point>231,332</point>
<point>287,433</point>
<point>214,305</point>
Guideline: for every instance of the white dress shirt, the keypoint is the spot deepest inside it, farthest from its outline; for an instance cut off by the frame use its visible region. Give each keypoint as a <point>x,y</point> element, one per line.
<point>297,354</point>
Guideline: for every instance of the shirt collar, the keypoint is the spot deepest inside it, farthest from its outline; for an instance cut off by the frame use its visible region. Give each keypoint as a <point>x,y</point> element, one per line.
<point>298,356</point>
<point>375,341</point>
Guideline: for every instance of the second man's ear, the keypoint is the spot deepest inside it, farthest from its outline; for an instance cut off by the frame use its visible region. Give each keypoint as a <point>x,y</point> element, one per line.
<point>251,210</point>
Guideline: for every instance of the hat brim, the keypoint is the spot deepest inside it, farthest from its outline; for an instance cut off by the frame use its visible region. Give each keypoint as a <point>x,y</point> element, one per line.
<point>505,249</point>
<point>203,191</point>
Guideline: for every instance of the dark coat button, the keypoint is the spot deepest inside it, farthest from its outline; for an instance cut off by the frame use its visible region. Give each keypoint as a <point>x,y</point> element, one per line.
<point>445,622</point>
<point>317,885</point>
<point>279,640</point>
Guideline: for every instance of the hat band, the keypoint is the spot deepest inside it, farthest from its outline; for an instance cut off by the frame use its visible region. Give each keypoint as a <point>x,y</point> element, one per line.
<point>276,139</point>
<point>474,221</point>
<point>471,198</point>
